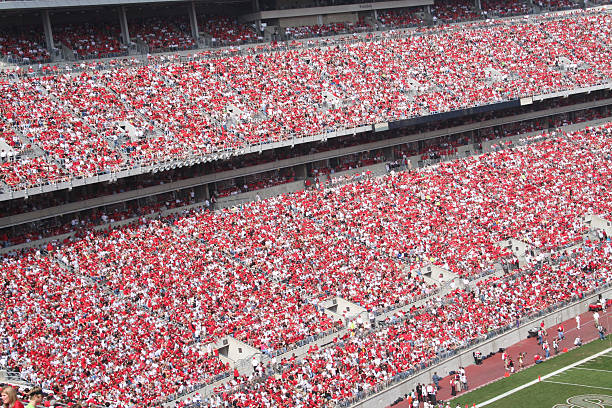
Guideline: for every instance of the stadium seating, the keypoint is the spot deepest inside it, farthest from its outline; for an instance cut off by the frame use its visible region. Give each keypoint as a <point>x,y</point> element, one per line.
<point>68,334</point>
<point>163,35</point>
<point>277,240</point>
<point>322,30</point>
<point>364,359</point>
<point>23,46</point>
<point>451,11</point>
<point>220,101</point>
<point>89,41</point>
<point>260,273</point>
<point>224,31</point>
<point>505,7</point>
<point>215,294</point>
<point>399,18</point>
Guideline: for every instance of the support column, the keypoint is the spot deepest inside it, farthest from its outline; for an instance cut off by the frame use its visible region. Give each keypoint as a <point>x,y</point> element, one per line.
<point>125,32</point>
<point>193,20</point>
<point>388,153</point>
<point>48,32</point>
<point>477,5</point>
<point>376,15</point>
<point>320,19</point>
<point>428,12</point>
<point>301,173</point>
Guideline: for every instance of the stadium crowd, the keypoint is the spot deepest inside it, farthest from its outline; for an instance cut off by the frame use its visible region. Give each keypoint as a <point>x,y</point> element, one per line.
<point>367,357</point>
<point>214,103</point>
<point>90,40</point>
<point>197,286</point>
<point>67,334</point>
<point>260,273</point>
<point>430,151</point>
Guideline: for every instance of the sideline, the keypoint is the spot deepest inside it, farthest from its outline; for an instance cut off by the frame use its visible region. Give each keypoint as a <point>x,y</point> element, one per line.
<point>542,378</point>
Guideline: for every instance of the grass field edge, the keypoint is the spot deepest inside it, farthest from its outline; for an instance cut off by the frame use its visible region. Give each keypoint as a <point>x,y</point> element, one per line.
<point>542,378</point>
<point>480,387</point>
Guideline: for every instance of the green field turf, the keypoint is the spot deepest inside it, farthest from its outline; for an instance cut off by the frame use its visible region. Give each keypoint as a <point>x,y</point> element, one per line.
<point>593,377</point>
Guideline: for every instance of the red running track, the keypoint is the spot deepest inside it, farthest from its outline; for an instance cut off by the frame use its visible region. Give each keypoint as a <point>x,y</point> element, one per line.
<point>492,368</point>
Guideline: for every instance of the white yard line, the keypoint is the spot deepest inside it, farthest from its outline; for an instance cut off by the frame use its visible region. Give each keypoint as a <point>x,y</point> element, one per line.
<point>578,385</point>
<point>592,369</point>
<point>529,384</point>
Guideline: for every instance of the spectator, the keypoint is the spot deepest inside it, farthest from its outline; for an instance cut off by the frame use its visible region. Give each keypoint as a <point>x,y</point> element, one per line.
<point>537,359</point>
<point>436,380</point>
<point>35,396</point>
<point>601,332</point>
<point>9,398</point>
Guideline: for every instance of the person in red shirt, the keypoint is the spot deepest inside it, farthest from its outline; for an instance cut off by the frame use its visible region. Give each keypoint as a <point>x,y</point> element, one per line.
<point>9,398</point>
<point>561,332</point>
<point>537,359</point>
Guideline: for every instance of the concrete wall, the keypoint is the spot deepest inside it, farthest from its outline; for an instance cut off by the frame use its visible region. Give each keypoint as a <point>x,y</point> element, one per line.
<point>298,21</point>
<point>600,223</point>
<point>238,353</point>
<point>375,169</point>
<point>437,275</point>
<point>386,397</point>
<point>348,8</point>
<point>518,248</point>
<point>340,18</point>
<point>242,198</point>
<point>343,308</point>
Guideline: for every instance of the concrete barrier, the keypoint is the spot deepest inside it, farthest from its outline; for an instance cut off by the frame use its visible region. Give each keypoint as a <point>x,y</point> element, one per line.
<point>242,198</point>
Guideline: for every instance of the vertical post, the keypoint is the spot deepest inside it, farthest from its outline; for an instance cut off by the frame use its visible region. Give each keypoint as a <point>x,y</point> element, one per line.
<point>375,16</point>
<point>477,5</point>
<point>301,173</point>
<point>125,31</point>
<point>48,31</point>
<point>389,154</point>
<point>193,20</point>
<point>320,19</point>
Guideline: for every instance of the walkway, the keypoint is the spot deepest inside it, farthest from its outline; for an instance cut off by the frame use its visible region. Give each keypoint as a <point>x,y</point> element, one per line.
<point>492,368</point>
